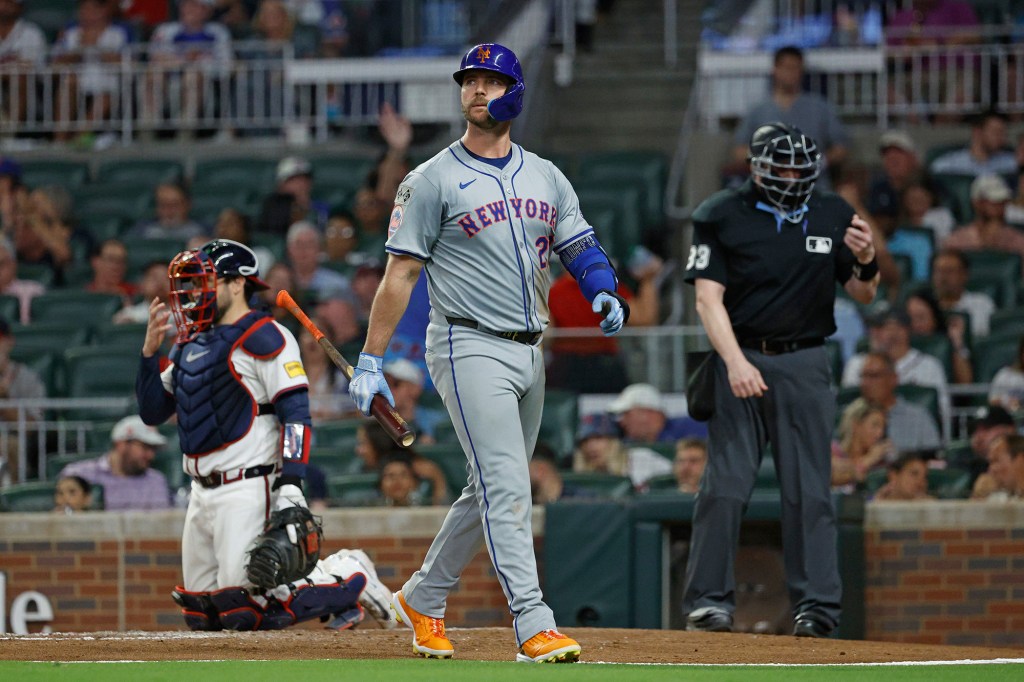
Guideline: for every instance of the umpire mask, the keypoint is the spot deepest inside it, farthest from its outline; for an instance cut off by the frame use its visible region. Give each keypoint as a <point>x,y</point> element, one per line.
<point>786,164</point>
<point>193,293</point>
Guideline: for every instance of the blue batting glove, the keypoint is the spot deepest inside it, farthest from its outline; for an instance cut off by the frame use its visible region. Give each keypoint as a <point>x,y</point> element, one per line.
<point>611,307</point>
<point>367,381</point>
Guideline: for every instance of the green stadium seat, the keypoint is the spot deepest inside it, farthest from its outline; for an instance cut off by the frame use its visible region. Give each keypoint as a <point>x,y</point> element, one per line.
<point>36,496</point>
<point>452,461</point>
<point>662,483</point>
<point>51,336</point>
<point>1010,321</point>
<point>600,485</point>
<point>143,251</point>
<point>98,437</point>
<point>924,396</point>
<point>67,174</point>
<point>10,308</point>
<point>949,484</point>
<point>131,201</point>
<point>256,174</point>
<point>102,226</point>
<point>992,353</point>
<point>939,347</point>
<point>56,464</point>
<point>766,476</point>
<point>563,162</point>
<point>559,420</point>
<point>335,461</point>
<point>210,201</point>
<point>50,15</point>
<point>353,490</point>
<point>96,372</point>
<point>47,364</point>
<point>168,462</point>
<point>1004,267</point>
<point>126,336</point>
<point>627,200</point>
<point>39,272</point>
<point>69,306</point>
<point>345,172</point>
<point>77,275</point>
<point>339,434</point>
<point>337,197</point>
<point>149,171</point>
<point>935,151</point>
<point>956,195</point>
<point>649,167</point>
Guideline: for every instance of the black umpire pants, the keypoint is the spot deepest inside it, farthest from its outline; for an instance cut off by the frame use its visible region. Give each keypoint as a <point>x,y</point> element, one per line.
<point>796,415</point>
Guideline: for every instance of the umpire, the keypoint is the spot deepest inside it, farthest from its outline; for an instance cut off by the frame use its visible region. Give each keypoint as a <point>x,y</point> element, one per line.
<point>764,262</point>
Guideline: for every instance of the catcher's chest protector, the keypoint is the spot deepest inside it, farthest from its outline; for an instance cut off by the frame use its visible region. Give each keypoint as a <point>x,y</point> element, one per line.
<point>214,408</point>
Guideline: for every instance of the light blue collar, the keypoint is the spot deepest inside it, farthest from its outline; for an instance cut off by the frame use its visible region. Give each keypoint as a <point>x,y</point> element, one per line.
<point>794,217</point>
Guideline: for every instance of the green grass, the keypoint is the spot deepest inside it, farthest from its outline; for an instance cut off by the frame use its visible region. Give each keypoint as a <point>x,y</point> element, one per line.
<point>474,671</point>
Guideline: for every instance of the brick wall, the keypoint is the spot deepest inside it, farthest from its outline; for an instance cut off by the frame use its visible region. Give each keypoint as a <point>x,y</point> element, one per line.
<point>110,571</point>
<point>945,573</point>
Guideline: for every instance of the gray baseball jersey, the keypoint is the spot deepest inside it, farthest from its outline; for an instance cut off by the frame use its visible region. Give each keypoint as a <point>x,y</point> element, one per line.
<point>486,236</point>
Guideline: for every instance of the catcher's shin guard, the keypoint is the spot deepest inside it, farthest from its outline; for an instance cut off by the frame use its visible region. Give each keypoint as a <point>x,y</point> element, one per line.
<point>237,610</point>
<point>314,601</point>
<point>197,608</point>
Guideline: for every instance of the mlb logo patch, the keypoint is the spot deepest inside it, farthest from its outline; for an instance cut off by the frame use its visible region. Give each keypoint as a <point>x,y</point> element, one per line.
<point>396,221</point>
<point>819,245</point>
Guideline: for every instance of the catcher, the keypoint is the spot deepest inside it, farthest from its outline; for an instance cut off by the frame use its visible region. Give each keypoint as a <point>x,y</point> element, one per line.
<point>250,547</point>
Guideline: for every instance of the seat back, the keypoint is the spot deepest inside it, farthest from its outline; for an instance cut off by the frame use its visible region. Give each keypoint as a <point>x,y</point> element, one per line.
<point>98,372</point>
<point>992,353</point>
<point>42,172</point>
<point>74,307</point>
<point>36,496</point>
<point>150,171</point>
<point>938,346</point>
<point>1000,266</point>
<point>452,461</point>
<point>924,396</point>
<point>956,195</point>
<point>559,420</point>
<point>599,485</point>
<point>353,490</point>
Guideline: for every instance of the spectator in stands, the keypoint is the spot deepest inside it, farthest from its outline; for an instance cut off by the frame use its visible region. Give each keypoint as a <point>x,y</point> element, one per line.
<point>688,465</point>
<point>72,494</point>
<point>365,280</point>
<point>152,284</point>
<point>374,445</point>
<point>901,166</point>
<point>22,289</point>
<point>305,248</point>
<point>546,482</point>
<point>950,272</point>
<point>920,207</point>
<point>999,482</point>
<point>1015,209</point>
<point>129,482</point>
<point>908,426</point>
<point>292,199</point>
<point>274,24</point>
<point>45,233</point>
<point>989,229</point>
<point>185,55</point>
<point>341,237</point>
<point>927,319</point>
<point>851,185</point>
<point>393,165</point>
<point>406,381</point>
<point>988,423</point>
<point>92,44</point>
<point>1007,387</point>
<point>109,260</point>
<point>788,103</point>
<point>907,479</point>
<point>279,276</point>
<point>173,206</point>
<point>861,447</point>
<point>10,189</point>
<point>398,484</point>
<point>600,449</point>
<point>987,153</point>
<point>22,46</point>
<point>640,412</point>
<point>17,381</point>
<point>235,225</point>
<point>372,214</point>
<point>145,15</point>
<point>591,364</point>
<point>328,386</point>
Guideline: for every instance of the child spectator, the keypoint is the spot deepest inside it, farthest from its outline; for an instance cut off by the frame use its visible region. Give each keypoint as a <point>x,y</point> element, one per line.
<point>72,494</point>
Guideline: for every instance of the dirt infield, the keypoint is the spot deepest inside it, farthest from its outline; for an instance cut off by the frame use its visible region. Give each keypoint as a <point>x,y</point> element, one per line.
<point>484,644</point>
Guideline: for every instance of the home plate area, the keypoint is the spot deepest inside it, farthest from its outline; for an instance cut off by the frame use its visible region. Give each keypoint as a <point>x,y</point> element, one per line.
<point>483,644</point>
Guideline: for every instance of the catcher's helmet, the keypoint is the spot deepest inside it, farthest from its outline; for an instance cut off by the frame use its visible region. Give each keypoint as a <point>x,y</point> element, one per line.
<point>498,58</point>
<point>233,259</point>
<point>786,164</point>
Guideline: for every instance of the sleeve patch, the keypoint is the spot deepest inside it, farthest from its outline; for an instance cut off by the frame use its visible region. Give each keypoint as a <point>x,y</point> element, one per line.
<point>396,220</point>
<point>294,369</point>
<point>403,195</point>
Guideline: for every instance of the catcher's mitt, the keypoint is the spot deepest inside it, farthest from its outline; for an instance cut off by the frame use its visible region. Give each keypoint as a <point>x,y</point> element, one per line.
<point>287,550</point>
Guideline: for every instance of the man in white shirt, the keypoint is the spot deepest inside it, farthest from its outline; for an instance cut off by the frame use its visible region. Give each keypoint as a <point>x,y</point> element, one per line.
<point>950,272</point>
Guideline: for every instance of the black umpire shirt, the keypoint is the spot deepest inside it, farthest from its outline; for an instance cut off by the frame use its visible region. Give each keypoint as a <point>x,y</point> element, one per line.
<point>779,276</point>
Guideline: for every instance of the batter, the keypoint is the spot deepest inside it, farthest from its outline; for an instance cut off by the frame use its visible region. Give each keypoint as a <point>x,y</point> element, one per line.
<point>483,218</point>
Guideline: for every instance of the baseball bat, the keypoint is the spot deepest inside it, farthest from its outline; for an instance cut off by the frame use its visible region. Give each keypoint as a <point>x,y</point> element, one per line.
<point>380,409</point>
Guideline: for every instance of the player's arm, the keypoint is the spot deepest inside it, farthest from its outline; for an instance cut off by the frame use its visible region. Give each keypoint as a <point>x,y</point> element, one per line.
<point>156,402</point>
<point>391,300</point>
<point>863,284</point>
<point>588,263</point>
<point>744,379</point>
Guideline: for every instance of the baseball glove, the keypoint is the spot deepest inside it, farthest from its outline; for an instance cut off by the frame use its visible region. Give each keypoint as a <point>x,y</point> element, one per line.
<point>287,550</point>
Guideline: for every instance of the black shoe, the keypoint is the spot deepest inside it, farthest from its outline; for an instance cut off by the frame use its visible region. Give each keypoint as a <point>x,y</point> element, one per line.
<point>709,619</point>
<point>806,625</point>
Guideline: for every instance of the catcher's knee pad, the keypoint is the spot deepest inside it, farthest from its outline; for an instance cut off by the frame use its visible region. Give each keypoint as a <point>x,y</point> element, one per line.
<point>314,601</point>
<point>197,609</point>
<point>236,609</point>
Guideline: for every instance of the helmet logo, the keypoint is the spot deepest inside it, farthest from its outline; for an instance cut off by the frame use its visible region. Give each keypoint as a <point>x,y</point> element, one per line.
<point>483,54</point>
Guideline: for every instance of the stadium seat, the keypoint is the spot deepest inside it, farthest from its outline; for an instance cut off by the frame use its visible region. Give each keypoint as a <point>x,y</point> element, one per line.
<point>50,15</point>
<point>662,483</point>
<point>939,347</point>
<point>649,167</point>
<point>334,461</point>
<point>353,490</point>
<point>254,173</point>
<point>956,195</point>
<point>142,251</point>
<point>10,308</point>
<point>559,420</point>
<point>69,306</point>
<point>149,171</point>
<point>168,462</point>
<point>989,266</point>
<point>36,496</point>
<point>452,461</point>
<point>51,336</point>
<point>345,172</point>
<point>924,396</point>
<point>56,464</point>
<point>600,485</point>
<point>949,484</point>
<point>47,364</point>
<point>67,174</point>
<point>132,201</point>
<point>605,221</point>
<point>126,336</point>
<point>102,226</point>
<point>626,198</point>
<point>340,434</point>
<point>935,151</point>
<point>37,272</point>
<point>97,372</point>
<point>1007,321</point>
<point>444,432</point>
<point>98,437</point>
<point>992,353</point>
<point>77,275</point>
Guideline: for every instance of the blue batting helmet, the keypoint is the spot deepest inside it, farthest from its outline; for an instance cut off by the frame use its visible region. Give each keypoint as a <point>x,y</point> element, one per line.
<point>498,58</point>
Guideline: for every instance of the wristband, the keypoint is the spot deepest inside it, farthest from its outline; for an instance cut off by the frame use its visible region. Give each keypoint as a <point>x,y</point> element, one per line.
<point>865,272</point>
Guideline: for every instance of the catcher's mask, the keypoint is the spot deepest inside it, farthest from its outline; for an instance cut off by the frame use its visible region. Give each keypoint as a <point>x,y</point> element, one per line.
<point>786,164</point>
<point>499,59</point>
<point>194,275</point>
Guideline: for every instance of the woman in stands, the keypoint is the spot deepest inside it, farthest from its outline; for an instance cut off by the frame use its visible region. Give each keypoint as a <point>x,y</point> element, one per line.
<point>862,446</point>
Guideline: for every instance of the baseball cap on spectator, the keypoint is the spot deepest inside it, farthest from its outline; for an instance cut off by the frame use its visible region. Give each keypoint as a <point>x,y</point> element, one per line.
<point>637,395</point>
<point>404,370</point>
<point>596,426</point>
<point>291,166</point>
<point>897,139</point>
<point>991,415</point>
<point>133,428</point>
<point>991,188</point>
<point>10,167</point>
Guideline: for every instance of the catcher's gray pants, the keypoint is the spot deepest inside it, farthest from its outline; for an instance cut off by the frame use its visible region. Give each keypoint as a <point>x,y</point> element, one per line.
<point>494,391</point>
<point>796,415</point>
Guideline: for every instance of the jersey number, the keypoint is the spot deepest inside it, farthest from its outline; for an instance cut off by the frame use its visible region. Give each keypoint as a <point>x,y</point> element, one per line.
<point>542,244</point>
<point>700,254</point>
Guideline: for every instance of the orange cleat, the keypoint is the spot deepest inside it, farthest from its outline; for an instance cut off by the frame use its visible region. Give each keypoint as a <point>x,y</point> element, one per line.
<point>428,638</point>
<point>549,646</point>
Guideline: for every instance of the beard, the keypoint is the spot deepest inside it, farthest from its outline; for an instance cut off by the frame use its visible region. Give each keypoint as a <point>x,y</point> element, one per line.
<point>482,121</point>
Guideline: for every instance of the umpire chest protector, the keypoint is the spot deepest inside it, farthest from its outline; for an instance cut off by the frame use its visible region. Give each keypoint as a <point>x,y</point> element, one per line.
<point>214,408</point>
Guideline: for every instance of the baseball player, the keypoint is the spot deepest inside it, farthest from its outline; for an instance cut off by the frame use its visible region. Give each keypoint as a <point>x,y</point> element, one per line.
<point>484,217</point>
<point>237,386</point>
<point>765,262</point>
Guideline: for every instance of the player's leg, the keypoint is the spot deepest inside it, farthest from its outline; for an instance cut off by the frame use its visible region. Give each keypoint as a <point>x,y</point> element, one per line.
<point>736,437</point>
<point>240,511</point>
<point>800,423</point>
<point>198,567</point>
